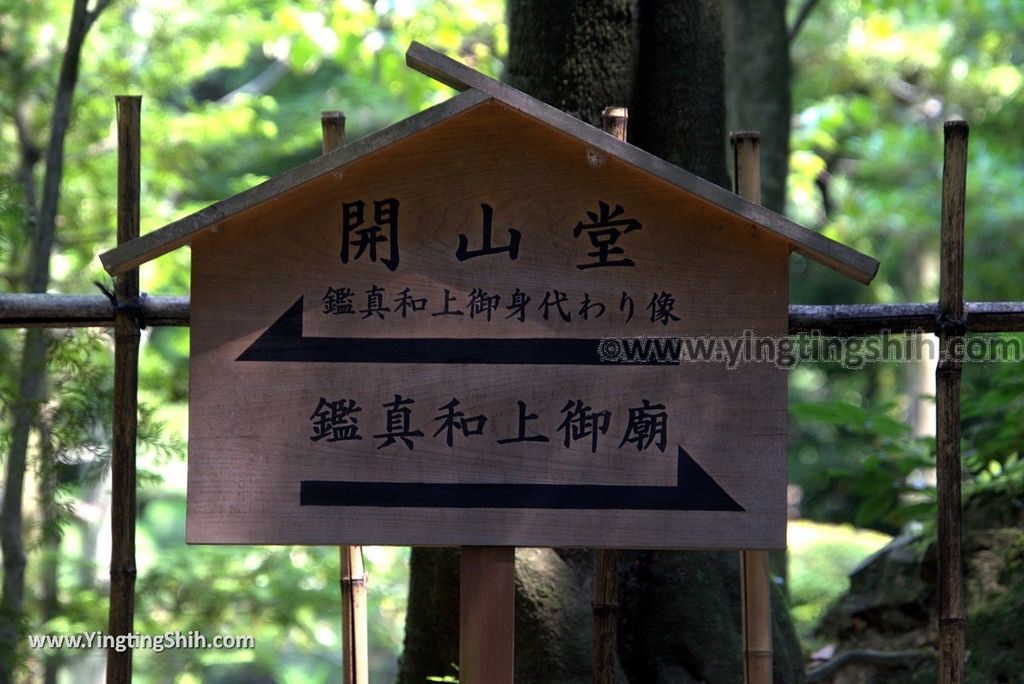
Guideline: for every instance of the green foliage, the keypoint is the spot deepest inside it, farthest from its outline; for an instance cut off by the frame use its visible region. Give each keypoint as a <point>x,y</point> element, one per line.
<point>873,82</point>
<point>288,598</point>
<point>879,476</point>
<point>864,465</point>
<point>992,419</point>
<point>285,597</point>
<point>821,558</point>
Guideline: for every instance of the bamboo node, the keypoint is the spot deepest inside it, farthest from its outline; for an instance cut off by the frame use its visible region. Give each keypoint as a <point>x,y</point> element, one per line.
<point>615,112</point>
<point>742,136</point>
<point>952,621</point>
<point>353,581</point>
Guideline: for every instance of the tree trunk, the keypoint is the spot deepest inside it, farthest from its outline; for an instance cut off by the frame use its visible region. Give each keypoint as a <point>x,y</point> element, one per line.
<point>678,111</point>
<point>577,55</point>
<point>431,647</point>
<point>31,390</point>
<point>49,588</point>
<point>757,78</point>
<point>679,619</point>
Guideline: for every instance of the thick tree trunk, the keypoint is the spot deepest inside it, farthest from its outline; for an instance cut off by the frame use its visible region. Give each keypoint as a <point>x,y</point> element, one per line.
<point>432,627</point>
<point>679,618</point>
<point>757,78</point>
<point>577,55</point>
<point>678,111</point>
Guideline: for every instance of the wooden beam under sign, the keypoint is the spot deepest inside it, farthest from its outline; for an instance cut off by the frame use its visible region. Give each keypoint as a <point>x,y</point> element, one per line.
<point>487,615</point>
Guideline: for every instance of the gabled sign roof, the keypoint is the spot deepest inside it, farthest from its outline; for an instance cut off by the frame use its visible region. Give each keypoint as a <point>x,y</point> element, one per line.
<point>476,89</point>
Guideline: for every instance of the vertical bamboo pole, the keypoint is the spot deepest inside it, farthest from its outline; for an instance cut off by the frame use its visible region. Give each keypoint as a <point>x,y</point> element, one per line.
<point>487,591</point>
<point>755,595</point>
<point>332,128</point>
<point>353,616</point>
<point>126,383</point>
<point>615,121</point>
<point>353,579</point>
<point>952,319</point>
<point>606,566</point>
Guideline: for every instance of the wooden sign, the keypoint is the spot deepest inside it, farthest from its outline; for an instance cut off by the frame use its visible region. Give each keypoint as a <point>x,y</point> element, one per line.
<point>467,329</point>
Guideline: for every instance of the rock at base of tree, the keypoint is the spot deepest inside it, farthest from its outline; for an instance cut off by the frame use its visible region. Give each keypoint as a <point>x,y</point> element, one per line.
<point>891,610</point>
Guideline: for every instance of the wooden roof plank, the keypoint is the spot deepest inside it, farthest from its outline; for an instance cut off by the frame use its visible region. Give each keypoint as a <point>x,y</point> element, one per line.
<point>180,232</point>
<point>438,67</point>
<point>836,255</point>
<point>476,89</point>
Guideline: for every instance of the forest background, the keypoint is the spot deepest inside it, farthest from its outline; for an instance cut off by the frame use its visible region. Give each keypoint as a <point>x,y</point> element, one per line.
<point>232,95</point>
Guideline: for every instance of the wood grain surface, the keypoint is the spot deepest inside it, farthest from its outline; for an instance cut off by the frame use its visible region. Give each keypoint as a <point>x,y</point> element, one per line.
<point>253,425</point>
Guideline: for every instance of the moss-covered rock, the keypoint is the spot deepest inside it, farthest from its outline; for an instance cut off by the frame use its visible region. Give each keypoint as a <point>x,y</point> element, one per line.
<point>554,627</point>
<point>892,607</point>
<point>680,621</point>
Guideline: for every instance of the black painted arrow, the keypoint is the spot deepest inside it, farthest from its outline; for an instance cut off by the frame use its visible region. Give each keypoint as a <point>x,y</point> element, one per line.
<point>283,341</point>
<point>694,490</point>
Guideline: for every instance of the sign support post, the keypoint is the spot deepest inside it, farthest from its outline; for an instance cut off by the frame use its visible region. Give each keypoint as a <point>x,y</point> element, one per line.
<point>487,590</point>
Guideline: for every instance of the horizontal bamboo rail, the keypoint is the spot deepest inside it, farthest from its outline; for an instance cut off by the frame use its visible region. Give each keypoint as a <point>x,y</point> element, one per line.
<point>77,311</point>
<point>84,311</point>
<point>871,319</point>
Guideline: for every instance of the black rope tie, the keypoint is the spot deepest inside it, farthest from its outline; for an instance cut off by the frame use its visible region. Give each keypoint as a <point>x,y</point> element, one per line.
<point>132,308</point>
<point>953,327</point>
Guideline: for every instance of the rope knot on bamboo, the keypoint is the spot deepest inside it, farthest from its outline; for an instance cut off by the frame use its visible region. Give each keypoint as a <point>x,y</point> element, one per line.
<point>951,327</point>
<point>123,571</point>
<point>132,307</point>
